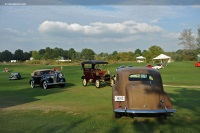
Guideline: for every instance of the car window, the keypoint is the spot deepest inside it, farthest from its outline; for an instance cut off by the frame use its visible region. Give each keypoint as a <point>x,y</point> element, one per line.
<point>87,66</point>
<point>140,77</point>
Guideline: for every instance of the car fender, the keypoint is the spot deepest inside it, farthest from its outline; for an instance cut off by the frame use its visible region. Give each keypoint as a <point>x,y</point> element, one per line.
<point>98,77</point>
<point>32,79</point>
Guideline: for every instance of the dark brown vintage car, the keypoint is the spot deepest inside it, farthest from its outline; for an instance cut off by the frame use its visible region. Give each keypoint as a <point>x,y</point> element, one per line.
<point>138,91</point>
<point>96,72</point>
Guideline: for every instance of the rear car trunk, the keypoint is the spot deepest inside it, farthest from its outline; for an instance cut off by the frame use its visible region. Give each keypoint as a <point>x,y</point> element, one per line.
<point>141,95</point>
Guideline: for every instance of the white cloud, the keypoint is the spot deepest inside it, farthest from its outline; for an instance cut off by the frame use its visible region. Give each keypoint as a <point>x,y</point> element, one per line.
<point>155,21</point>
<point>171,35</point>
<point>126,27</point>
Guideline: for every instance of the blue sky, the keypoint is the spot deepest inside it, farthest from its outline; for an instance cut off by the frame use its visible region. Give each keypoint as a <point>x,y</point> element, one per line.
<point>101,28</point>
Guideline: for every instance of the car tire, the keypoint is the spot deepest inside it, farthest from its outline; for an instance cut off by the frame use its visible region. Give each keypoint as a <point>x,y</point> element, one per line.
<point>32,84</point>
<point>62,85</point>
<point>97,84</point>
<point>45,86</point>
<point>84,82</point>
<point>117,115</point>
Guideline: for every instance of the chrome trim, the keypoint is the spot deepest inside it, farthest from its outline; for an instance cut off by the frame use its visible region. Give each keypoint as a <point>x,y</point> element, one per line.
<point>58,83</point>
<point>145,111</point>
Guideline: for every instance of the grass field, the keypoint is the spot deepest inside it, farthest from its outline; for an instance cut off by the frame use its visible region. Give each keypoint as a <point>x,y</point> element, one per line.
<point>89,110</point>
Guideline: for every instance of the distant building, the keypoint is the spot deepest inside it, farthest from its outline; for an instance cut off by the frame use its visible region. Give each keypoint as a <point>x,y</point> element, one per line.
<point>140,59</point>
<point>13,61</point>
<point>64,60</point>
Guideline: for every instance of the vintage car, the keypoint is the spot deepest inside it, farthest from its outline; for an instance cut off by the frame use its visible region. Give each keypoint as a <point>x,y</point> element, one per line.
<point>158,66</point>
<point>46,78</point>
<point>95,72</point>
<point>197,64</point>
<point>149,66</point>
<point>138,91</point>
<point>15,76</point>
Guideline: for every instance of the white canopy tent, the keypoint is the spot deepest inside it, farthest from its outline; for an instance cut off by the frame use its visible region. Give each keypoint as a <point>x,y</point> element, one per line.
<point>163,57</point>
<point>140,59</point>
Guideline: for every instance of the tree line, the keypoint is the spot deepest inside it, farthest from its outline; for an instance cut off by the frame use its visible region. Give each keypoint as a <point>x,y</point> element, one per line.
<point>191,47</point>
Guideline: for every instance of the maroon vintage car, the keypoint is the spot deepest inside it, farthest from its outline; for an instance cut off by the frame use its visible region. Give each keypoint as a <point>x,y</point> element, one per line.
<point>96,72</point>
<point>138,91</point>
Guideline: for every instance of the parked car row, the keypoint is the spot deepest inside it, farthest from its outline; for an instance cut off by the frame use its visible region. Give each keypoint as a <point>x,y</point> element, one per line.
<point>136,91</point>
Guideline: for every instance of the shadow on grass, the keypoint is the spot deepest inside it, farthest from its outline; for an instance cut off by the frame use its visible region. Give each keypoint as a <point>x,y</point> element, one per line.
<point>14,97</point>
<point>186,119</point>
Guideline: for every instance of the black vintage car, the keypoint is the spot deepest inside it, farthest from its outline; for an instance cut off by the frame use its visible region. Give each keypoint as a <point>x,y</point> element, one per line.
<point>95,72</point>
<point>15,76</point>
<point>46,78</point>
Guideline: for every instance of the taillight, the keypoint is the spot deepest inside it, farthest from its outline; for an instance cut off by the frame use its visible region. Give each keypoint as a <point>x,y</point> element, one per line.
<point>168,107</point>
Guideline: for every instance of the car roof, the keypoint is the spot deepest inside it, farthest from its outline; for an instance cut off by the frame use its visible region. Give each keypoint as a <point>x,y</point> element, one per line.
<point>15,73</point>
<point>94,62</point>
<point>41,70</point>
<point>137,70</point>
<point>126,72</point>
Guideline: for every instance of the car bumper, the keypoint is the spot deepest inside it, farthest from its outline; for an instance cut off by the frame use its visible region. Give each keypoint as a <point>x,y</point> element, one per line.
<point>58,83</point>
<point>160,111</point>
<point>13,78</point>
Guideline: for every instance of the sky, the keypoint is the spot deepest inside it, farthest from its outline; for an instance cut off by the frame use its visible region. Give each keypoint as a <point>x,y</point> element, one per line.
<point>102,27</point>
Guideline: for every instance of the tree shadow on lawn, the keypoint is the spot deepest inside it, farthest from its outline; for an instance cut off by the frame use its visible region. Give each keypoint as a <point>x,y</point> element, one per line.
<point>186,119</point>
<point>16,97</point>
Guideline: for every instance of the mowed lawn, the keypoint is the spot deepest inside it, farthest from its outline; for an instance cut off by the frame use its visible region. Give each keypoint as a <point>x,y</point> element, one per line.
<point>79,109</point>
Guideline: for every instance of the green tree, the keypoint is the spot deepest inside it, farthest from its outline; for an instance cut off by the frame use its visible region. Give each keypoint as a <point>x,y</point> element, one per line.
<point>65,54</point>
<point>189,55</point>
<point>198,37</point>
<point>187,39</point>
<point>72,54</point>
<point>138,52</point>
<point>56,52</point>
<point>48,54</point>
<point>114,53</point>
<point>152,52</point>
<point>42,52</point>
<point>6,56</point>
<point>35,55</point>
<point>18,55</point>
<point>87,54</point>
<point>114,56</point>
<point>27,56</point>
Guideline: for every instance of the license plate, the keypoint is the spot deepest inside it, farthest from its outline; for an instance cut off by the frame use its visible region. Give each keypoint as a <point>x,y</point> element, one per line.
<point>119,98</point>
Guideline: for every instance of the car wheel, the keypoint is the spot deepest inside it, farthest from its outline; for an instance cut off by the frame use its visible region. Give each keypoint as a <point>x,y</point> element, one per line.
<point>117,115</point>
<point>162,118</point>
<point>45,86</point>
<point>32,84</point>
<point>97,83</point>
<point>62,85</point>
<point>84,82</point>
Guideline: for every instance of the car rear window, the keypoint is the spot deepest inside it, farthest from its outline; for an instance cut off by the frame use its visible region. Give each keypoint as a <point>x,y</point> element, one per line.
<point>140,77</point>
